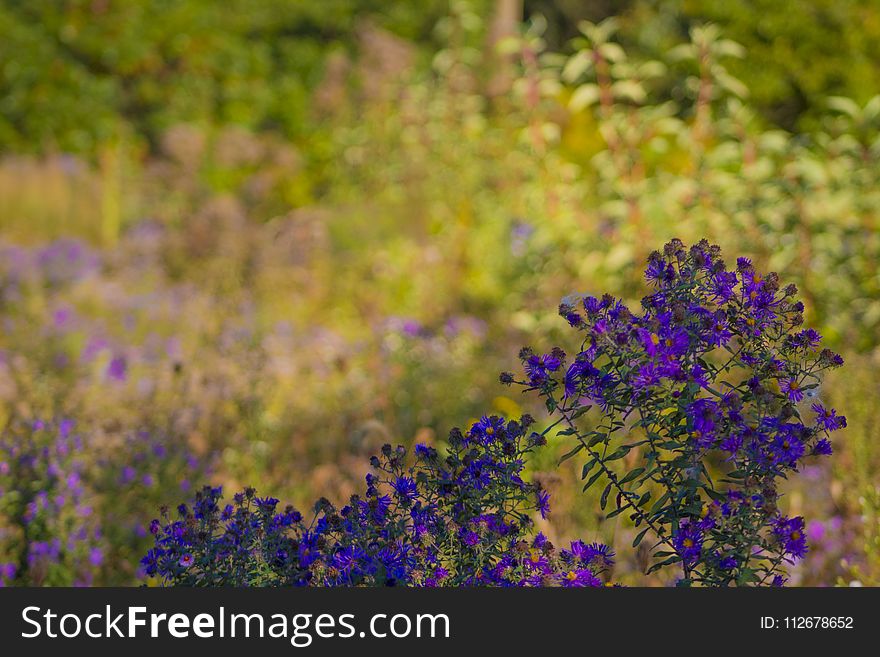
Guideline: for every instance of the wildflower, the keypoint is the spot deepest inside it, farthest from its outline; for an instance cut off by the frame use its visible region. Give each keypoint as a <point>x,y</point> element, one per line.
<point>543,502</point>
<point>405,489</point>
<point>829,420</point>
<point>579,577</point>
<point>688,542</point>
<point>117,368</point>
<point>792,388</point>
<point>786,449</point>
<point>487,429</point>
<point>595,553</point>
<point>539,368</point>
<point>822,448</point>
<point>791,536</point>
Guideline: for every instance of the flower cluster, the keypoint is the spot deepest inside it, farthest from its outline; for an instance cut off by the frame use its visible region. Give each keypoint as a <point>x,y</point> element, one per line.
<point>459,519</point>
<point>73,503</point>
<point>49,529</point>
<point>709,395</point>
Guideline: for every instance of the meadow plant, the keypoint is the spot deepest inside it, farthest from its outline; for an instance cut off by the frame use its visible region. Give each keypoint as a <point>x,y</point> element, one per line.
<point>50,533</point>
<point>73,503</point>
<point>463,519</point>
<point>702,400</point>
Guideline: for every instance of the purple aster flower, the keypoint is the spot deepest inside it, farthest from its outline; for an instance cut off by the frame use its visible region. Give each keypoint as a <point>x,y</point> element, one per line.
<point>488,429</point>
<point>688,542</point>
<point>579,577</point>
<point>596,554</point>
<point>117,368</point>
<point>543,502</point>
<point>659,272</point>
<point>791,388</point>
<point>829,420</point>
<point>791,536</point>
<point>405,489</point>
<point>822,448</point>
<point>96,556</point>
<point>786,449</point>
<point>719,331</point>
<point>646,376</point>
<point>348,557</point>
<point>704,415</point>
<point>538,368</point>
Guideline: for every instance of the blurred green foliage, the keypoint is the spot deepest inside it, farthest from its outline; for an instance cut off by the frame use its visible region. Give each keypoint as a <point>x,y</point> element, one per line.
<point>76,73</point>
<point>79,73</point>
<point>798,51</point>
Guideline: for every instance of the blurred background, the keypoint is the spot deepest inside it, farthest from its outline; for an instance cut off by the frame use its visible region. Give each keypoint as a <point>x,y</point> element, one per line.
<point>250,242</point>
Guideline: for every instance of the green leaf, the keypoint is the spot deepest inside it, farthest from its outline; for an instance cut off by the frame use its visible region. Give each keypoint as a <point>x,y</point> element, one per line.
<point>604,499</point>
<point>584,96</point>
<point>589,465</point>
<point>593,479</point>
<point>619,453</point>
<point>571,453</point>
<point>640,536</point>
<point>632,474</point>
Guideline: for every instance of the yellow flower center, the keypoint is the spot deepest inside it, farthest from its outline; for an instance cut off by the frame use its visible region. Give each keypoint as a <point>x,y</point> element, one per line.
<point>534,555</point>
<point>688,543</point>
<point>571,576</point>
<point>655,339</point>
<point>795,535</point>
<point>490,431</point>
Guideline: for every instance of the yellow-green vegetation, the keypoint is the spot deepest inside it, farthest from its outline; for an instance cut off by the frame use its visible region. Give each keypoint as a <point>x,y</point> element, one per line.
<point>307,229</point>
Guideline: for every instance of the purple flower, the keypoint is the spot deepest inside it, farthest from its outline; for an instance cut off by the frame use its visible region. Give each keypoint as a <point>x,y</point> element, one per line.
<point>822,448</point>
<point>791,536</point>
<point>579,577</point>
<point>688,542</point>
<point>117,368</point>
<point>594,553</point>
<point>828,420</point>
<point>405,489</point>
<point>647,375</point>
<point>815,531</point>
<point>538,368</point>
<point>791,388</point>
<point>786,449</point>
<point>488,429</point>
<point>543,502</point>
<point>96,556</point>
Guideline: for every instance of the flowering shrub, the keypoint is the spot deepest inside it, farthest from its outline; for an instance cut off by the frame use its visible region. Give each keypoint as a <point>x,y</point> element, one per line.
<point>49,531</point>
<point>73,504</point>
<point>462,519</point>
<point>701,401</point>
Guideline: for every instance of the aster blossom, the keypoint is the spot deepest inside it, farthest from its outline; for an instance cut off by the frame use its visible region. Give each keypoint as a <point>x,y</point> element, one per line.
<point>699,392</point>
